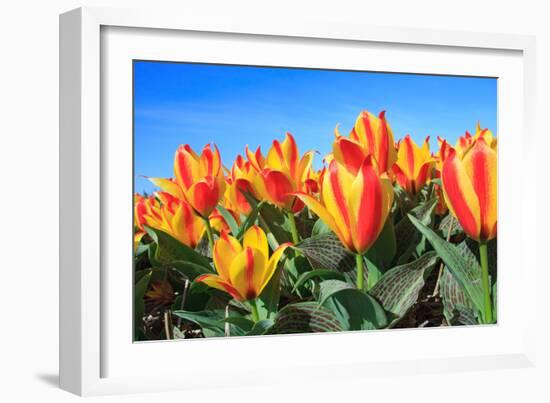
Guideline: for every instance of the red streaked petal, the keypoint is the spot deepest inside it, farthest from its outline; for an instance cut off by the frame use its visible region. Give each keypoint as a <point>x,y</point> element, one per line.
<point>460,195</point>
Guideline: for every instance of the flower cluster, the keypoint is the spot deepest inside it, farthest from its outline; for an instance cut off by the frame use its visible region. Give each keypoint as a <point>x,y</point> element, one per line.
<point>354,193</point>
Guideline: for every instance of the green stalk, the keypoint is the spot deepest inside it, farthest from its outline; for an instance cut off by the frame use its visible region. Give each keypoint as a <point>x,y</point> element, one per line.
<point>485,282</point>
<point>209,233</point>
<point>293,229</point>
<point>359,262</point>
<point>254,310</point>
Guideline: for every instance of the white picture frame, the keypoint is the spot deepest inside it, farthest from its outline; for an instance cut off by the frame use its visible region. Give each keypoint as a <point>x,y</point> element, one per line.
<point>97,357</point>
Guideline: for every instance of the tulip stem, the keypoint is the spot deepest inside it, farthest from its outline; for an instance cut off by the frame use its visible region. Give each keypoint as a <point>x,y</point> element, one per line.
<point>293,229</point>
<point>485,282</point>
<point>209,234</point>
<point>254,310</point>
<point>360,269</point>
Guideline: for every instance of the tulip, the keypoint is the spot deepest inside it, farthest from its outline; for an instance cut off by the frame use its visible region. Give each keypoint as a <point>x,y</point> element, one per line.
<point>414,165</point>
<point>465,142</point>
<point>370,135</point>
<point>243,271</point>
<point>176,218</point>
<point>198,179</point>
<point>470,187</point>
<point>142,207</point>
<point>354,206</point>
<point>240,180</point>
<point>283,173</point>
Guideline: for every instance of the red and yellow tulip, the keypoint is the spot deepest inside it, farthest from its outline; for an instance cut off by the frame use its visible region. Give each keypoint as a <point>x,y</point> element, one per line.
<point>283,174</point>
<point>414,164</point>
<point>240,180</point>
<point>243,270</point>
<point>354,206</point>
<point>371,135</point>
<point>470,187</point>
<point>143,206</point>
<point>197,179</point>
<point>176,218</point>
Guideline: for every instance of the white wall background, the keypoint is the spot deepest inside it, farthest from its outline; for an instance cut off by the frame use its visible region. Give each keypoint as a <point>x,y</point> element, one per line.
<point>29,201</point>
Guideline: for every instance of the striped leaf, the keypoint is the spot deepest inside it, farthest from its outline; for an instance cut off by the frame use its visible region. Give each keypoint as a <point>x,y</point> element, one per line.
<point>399,287</point>
<point>462,265</point>
<point>406,234</point>
<point>325,251</point>
<point>305,317</point>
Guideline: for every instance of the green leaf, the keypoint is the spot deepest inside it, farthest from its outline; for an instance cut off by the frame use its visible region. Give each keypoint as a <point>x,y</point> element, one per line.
<point>189,269</point>
<point>454,299</point>
<point>399,287</point>
<point>406,234</point>
<point>268,301</point>
<point>325,251</point>
<point>305,317</point>
<point>354,309</point>
<point>212,322</point>
<point>320,228</point>
<point>277,223</point>
<point>244,323</point>
<point>261,327</point>
<point>320,273</point>
<point>250,220</point>
<point>465,270</point>
<point>229,219</point>
<point>170,249</point>
<point>140,288</point>
<point>463,316</point>
<point>382,252</point>
<point>449,221</point>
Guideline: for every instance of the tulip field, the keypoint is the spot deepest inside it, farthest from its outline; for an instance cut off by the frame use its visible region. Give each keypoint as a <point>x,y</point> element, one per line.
<point>385,233</point>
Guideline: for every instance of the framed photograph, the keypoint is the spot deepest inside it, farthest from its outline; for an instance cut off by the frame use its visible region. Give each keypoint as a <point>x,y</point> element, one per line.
<point>236,189</point>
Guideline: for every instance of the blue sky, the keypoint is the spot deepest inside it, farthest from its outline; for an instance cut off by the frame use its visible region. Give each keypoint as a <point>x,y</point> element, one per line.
<point>178,103</point>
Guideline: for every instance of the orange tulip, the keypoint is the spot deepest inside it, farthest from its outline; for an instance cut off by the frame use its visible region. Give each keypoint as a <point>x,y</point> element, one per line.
<point>240,180</point>
<point>198,179</point>
<point>354,206</point>
<point>470,187</point>
<point>414,165</point>
<point>142,206</point>
<point>284,173</point>
<point>243,271</point>
<point>176,218</point>
<point>465,142</point>
<point>370,135</point>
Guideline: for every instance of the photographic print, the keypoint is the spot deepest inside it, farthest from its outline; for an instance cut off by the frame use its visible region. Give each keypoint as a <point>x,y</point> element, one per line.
<point>274,200</point>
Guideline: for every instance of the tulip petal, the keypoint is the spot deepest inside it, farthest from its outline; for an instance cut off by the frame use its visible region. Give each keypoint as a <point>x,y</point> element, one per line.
<point>335,193</point>
<point>220,284</point>
<point>255,238</point>
<point>368,206</point>
<point>290,154</point>
<point>460,195</point>
<point>321,211</point>
<point>246,272</point>
<point>225,250</point>
<point>278,187</point>
<point>272,265</point>
<point>402,179</point>
<point>205,194</point>
<point>424,173</point>
<point>186,166</point>
<point>480,163</point>
<point>168,186</point>
<point>348,153</point>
